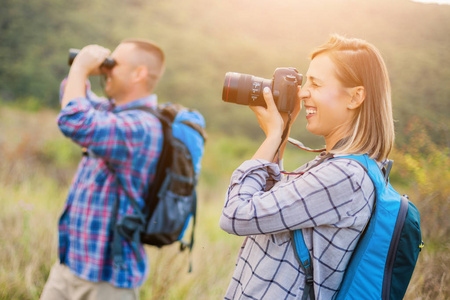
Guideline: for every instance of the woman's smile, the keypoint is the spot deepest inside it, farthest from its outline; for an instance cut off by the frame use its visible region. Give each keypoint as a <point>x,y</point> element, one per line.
<point>310,111</point>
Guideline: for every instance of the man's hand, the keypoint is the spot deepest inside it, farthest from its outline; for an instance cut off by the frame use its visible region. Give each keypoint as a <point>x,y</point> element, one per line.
<point>86,63</point>
<point>89,59</point>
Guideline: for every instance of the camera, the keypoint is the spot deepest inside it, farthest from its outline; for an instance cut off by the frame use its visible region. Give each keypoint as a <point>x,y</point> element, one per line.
<point>109,62</point>
<point>248,89</point>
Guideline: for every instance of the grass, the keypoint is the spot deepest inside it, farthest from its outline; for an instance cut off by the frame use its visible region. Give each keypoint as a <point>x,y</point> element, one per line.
<point>38,163</point>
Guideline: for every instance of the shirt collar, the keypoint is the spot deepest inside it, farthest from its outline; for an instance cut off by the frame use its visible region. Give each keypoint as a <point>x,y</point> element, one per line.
<point>150,101</point>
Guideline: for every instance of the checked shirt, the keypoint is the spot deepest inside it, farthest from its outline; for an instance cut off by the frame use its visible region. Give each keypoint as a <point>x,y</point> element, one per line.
<point>331,202</point>
<point>129,142</point>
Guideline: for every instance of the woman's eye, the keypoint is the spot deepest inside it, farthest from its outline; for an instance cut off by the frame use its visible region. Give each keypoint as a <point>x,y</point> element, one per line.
<point>311,84</point>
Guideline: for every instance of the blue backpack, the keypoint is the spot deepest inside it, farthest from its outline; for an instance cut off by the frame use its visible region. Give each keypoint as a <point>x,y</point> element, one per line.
<point>384,259</point>
<point>171,201</point>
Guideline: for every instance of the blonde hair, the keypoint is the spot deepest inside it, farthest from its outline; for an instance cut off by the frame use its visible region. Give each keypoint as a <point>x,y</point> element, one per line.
<point>359,63</point>
<point>155,62</point>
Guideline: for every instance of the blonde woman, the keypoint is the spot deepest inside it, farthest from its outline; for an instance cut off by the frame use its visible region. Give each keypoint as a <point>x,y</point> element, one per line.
<point>346,97</point>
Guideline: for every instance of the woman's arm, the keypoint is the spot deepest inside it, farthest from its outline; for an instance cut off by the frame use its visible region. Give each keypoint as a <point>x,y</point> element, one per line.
<point>335,193</point>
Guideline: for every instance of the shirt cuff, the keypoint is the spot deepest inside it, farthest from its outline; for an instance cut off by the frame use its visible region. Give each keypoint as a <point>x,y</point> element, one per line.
<point>271,169</point>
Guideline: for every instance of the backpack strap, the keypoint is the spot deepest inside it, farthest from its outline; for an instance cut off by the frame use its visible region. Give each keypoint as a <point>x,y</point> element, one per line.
<point>387,170</point>
<point>164,156</point>
<point>304,259</point>
<point>377,175</point>
<point>190,245</point>
<point>130,227</point>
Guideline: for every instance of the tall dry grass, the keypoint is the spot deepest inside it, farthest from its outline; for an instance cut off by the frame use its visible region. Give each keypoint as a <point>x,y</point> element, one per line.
<point>37,164</point>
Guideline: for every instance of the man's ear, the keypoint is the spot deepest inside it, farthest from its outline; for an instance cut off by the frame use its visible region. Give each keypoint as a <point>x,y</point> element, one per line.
<point>358,96</point>
<point>140,73</point>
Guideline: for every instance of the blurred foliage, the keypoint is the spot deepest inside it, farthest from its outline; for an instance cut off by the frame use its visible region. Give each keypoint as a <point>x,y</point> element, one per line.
<point>203,40</point>
<point>61,153</point>
<point>424,170</point>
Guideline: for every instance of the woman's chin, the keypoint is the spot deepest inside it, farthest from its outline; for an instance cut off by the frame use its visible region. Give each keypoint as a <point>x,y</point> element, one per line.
<point>312,129</point>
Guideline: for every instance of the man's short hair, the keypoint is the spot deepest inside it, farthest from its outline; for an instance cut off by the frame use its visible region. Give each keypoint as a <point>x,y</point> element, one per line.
<point>155,66</point>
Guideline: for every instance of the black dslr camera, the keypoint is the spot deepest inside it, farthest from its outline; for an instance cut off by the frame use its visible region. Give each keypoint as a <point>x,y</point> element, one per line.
<point>109,62</point>
<point>248,89</point>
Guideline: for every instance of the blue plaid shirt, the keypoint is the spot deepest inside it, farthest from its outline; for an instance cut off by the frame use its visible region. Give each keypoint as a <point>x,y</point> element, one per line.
<point>128,141</point>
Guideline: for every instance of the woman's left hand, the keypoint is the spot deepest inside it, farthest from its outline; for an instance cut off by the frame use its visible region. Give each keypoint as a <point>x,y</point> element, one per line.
<point>269,119</point>
<point>273,124</point>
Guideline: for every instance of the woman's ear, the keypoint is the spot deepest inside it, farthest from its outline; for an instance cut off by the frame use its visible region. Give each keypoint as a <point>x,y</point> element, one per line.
<point>358,94</point>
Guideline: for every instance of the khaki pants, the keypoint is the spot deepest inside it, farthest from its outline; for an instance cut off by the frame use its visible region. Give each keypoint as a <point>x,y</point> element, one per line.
<point>62,284</point>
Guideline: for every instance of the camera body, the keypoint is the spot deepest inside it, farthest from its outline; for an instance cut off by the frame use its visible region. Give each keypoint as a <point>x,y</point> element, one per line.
<point>109,62</point>
<point>248,89</point>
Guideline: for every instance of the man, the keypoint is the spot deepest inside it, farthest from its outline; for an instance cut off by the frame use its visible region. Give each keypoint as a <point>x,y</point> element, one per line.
<point>124,146</point>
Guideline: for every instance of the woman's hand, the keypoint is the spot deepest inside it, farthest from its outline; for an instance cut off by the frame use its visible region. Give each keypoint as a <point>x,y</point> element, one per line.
<point>269,119</point>
<point>273,123</point>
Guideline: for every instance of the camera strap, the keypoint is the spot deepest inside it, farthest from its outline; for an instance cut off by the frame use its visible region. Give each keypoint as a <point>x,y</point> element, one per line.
<point>284,135</point>
<point>293,142</point>
<point>303,147</point>
<point>286,129</point>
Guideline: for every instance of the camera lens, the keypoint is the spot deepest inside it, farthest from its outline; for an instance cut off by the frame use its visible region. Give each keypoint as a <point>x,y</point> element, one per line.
<point>244,89</point>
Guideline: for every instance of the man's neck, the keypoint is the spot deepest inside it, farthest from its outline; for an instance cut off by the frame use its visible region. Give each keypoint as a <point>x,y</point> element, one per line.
<point>130,97</point>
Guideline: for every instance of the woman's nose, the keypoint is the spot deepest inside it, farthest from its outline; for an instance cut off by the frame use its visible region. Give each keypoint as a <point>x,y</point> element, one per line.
<point>304,93</point>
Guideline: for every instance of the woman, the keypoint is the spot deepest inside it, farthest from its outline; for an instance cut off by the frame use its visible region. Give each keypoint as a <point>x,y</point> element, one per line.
<point>347,101</point>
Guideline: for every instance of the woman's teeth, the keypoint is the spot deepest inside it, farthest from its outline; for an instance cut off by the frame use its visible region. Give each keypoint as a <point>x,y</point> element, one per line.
<point>310,111</point>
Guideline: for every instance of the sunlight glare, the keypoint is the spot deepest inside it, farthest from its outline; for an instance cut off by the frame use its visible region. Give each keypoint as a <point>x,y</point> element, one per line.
<point>440,2</point>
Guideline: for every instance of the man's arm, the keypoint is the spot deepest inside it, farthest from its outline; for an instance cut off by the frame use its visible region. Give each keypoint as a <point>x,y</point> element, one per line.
<point>86,63</point>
